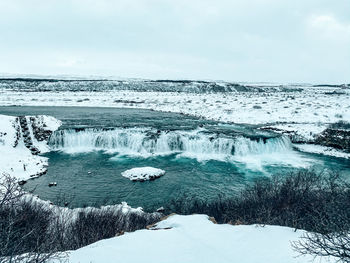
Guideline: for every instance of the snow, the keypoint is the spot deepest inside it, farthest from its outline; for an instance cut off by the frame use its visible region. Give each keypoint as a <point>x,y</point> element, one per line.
<point>310,105</point>
<point>196,239</point>
<point>17,160</point>
<point>305,132</point>
<point>319,149</point>
<point>72,214</point>
<point>143,173</point>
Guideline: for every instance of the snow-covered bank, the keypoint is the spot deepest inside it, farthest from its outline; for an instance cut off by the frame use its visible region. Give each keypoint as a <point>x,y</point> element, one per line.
<point>122,210</point>
<point>319,149</point>
<point>298,132</point>
<point>196,239</point>
<point>21,138</point>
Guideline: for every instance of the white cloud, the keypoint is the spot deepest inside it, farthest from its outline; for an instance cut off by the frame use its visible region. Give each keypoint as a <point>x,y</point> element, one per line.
<point>327,26</point>
<point>239,40</point>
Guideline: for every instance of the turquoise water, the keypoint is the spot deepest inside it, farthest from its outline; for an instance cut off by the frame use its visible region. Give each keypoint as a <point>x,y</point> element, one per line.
<point>94,178</point>
<point>201,158</point>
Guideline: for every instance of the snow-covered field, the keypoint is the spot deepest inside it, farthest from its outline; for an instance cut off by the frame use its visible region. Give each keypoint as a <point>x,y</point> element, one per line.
<point>194,239</point>
<point>311,105</point>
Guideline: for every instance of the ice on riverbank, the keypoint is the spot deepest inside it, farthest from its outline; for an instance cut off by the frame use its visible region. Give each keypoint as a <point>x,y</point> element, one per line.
<point>143,173</point>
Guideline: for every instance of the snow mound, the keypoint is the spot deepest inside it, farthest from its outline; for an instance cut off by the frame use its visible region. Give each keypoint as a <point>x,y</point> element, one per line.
<point>143,173</point>
<point>195,239</point>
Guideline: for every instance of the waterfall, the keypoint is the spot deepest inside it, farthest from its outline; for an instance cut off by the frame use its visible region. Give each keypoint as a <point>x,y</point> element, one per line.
<point>152,142</point>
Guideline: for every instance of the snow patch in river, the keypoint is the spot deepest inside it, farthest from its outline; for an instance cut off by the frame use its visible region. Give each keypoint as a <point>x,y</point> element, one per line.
<point>143,173</point>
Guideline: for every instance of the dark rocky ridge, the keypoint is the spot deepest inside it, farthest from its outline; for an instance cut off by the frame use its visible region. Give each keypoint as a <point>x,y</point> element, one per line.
<point>28,141</point>
<point>336,138</point>
<point>190,86</point>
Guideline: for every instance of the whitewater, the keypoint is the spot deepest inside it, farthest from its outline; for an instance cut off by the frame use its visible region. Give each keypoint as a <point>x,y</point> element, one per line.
<point>147,142</point>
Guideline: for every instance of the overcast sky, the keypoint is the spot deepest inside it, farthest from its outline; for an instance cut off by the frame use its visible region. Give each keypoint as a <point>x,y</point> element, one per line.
<point>234,40</point>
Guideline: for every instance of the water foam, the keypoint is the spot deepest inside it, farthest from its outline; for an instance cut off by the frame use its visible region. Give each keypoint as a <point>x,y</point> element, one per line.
<point>197,144</point>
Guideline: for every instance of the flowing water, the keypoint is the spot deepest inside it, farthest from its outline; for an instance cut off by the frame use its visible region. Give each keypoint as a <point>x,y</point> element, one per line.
<point>201,158</point>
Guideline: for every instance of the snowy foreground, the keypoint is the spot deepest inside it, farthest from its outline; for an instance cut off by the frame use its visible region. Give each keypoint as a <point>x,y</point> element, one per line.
<point>196,239</point>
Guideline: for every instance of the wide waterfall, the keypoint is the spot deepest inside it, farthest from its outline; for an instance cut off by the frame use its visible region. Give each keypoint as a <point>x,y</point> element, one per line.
<point>147,142</point>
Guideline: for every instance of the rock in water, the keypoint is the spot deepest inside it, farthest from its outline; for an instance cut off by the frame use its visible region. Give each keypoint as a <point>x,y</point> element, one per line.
<point>143,173</point>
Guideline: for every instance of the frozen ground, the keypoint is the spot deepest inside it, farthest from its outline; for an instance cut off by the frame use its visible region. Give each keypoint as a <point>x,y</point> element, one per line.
<point>196,239</point>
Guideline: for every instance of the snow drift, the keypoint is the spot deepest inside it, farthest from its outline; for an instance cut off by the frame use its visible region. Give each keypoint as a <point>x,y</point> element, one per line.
<point>196,239</point>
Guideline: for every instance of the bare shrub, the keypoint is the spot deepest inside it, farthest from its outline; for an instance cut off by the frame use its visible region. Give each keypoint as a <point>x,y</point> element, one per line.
<point>23,226</point>
<point>33,231</point>
<point>333,238</point>
<point>96,224</point>
<point>303,200</point>
<point>340,125</point>
<point>335,244</point>
<point>316,202</point>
